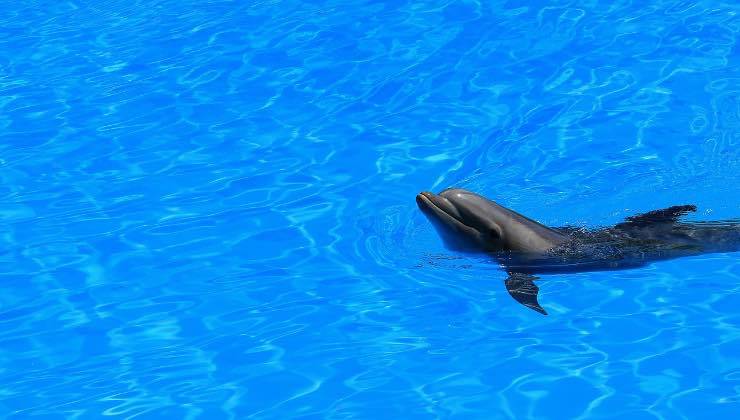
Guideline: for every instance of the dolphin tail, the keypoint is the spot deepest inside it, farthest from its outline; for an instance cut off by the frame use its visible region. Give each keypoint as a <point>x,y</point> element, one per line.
<point>522,288</point>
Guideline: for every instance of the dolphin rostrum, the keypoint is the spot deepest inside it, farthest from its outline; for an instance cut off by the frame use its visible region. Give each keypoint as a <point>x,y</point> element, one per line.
<point>469,222</point>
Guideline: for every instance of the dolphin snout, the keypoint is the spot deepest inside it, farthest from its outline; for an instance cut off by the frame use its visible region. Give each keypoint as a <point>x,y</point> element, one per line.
<point>424,200</point>
<point>437,205</point>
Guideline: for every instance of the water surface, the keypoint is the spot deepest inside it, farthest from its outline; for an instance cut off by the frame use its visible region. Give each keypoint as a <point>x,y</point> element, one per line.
<point>207,207</point>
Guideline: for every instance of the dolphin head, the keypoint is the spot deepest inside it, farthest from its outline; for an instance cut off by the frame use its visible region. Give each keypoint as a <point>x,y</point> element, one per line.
<point>467,221</point>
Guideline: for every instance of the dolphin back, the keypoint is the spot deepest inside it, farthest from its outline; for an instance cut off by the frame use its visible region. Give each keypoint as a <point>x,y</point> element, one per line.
<point>526,235</point>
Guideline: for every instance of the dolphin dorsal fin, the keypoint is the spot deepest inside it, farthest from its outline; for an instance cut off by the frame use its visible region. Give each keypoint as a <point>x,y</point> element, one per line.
<point>669,215</point>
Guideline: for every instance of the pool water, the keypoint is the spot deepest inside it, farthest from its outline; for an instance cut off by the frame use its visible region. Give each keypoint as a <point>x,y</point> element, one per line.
<point>207,207</point>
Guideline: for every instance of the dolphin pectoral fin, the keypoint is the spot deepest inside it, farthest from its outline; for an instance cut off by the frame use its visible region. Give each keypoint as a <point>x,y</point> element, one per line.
<point>522,288</point>
<point>669,215</point>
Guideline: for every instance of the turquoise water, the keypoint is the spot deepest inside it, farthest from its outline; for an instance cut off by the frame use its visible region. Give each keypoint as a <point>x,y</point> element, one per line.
<point>208,207</point>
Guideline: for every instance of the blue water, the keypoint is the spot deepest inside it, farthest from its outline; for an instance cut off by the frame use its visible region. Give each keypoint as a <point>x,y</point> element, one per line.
<point>207,207</point>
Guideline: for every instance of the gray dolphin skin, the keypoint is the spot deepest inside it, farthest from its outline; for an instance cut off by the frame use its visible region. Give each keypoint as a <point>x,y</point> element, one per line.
<point>469,222</point>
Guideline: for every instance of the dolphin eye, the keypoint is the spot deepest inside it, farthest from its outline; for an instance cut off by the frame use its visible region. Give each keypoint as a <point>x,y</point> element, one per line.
<point>494,231</point>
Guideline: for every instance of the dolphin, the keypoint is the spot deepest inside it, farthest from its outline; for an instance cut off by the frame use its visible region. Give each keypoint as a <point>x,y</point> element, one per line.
<point>523,247</point>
